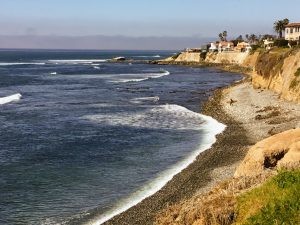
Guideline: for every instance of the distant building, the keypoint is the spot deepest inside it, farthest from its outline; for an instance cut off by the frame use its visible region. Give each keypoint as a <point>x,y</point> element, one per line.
<point>292,32</point>
<point>268,43</point>
<point>225,46</point>
<point>222,46</point>
<point>193,50</point>
<point>213,47</point>
<point>243,47</point>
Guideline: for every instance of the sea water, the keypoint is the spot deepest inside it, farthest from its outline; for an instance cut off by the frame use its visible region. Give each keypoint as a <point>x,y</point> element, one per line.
<point>82,139</point>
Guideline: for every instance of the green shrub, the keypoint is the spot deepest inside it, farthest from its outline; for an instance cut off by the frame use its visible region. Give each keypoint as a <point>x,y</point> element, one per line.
<point>281,43</point>
<point>297,73</point>
<point>294,83</point>
<point>275,202</point>
<point>293,43</point>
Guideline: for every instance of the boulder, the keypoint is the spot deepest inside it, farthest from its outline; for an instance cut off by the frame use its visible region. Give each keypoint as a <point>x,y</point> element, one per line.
<point>277,152</point>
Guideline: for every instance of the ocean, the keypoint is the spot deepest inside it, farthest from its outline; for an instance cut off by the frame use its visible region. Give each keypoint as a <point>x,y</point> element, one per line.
<point>83,139</point>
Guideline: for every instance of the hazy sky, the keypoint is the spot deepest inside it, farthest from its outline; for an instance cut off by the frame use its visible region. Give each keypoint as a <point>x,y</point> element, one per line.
<point>142,18</point>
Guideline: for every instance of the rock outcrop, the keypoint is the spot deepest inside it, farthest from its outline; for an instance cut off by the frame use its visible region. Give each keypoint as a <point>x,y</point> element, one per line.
<point>189,57</point>
<point>277,70</point>
<point>279,151</point>
<point>227,57</point>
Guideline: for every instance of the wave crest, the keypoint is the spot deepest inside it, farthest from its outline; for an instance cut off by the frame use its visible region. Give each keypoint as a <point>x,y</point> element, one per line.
<point>177,114</point>
<point>11,98</point>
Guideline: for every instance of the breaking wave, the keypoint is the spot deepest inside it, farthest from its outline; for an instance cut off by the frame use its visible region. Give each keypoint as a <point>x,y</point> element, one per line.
<point>145,99</point>
<point>11,98</point>
<point>162,117</point>
<point>142,77</point>
<point>76,61</point>
<point>145,56</point>
<point>20,63</point>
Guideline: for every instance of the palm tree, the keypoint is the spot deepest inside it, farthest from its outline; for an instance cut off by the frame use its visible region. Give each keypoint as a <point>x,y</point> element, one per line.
<point>221,37</point>
<point>239,38</point>
<point>279,26</point>
<point>247,37</point>
<point>253,38</point>
<point>224,35</point>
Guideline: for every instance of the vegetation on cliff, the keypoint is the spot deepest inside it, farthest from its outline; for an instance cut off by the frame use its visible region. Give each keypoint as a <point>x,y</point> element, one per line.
<point>277,201</point>
<point>257,194</point>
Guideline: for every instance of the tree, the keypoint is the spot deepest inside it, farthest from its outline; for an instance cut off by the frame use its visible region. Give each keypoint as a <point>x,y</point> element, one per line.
<point>240,38</point>
<point>224,35</point>
<point>279,26</point>
<point>253,39</point>
<point>247,37</point>
<point>221,37</point>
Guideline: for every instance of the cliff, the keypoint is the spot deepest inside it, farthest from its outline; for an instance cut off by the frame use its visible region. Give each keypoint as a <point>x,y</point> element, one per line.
<point>257,189</point>
<point>277,70</point>
<point>226,57</point>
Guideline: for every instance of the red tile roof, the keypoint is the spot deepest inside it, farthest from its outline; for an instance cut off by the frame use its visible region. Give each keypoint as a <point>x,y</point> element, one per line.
<point>293,25</point>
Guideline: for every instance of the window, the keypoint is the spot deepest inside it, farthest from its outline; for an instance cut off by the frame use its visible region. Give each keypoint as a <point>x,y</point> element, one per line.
<point>292,30</point>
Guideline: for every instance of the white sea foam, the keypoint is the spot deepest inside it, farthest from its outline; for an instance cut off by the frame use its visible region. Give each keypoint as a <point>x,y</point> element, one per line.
<point>144,99</point>
<point>76,61</point>
<point>149,56</point>
<point>176,114</point>
<point>96,67</point>
<point>20,63</point>
<point>143,76</point>
<point>53,73</point>
<point>11,98</point>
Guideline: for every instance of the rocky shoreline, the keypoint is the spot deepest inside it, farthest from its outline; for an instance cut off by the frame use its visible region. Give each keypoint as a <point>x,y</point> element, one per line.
<point>210,167</point>
<point>250,115</point>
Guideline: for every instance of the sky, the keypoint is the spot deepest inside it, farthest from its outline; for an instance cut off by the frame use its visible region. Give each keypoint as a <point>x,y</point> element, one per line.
<point>51,23</point>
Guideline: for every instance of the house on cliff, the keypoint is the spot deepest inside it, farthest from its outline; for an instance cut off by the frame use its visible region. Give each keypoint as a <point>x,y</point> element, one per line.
<point>292,32</point>
<point>223,46</point>
<point>243,47</point>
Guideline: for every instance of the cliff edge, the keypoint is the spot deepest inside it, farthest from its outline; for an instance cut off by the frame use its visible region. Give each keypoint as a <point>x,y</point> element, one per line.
<point>277,69</point>
<point>254,194</point>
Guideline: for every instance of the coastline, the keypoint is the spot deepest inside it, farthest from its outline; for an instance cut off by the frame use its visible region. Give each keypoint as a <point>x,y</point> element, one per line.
<point>211,166</point>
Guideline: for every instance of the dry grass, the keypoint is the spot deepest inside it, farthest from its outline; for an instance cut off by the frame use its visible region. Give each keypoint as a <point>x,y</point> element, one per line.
<point>270,63</point>
<point>215,207</point>
<point>267,116</point>
<point>268,108</point>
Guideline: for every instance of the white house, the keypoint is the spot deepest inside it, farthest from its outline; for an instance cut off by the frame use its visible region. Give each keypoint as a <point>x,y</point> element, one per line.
<point>292,32</point>
<point>213,47</point>
<point>243,47</point>
<point>221,46</point>
<point>268,43</point>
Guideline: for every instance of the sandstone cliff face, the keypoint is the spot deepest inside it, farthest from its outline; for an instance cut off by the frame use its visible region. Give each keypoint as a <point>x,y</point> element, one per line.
<point>278,72</point>
<point>189,57</point>
<point>276,152</point>
<point>226,57</point>
<point>275,70</point>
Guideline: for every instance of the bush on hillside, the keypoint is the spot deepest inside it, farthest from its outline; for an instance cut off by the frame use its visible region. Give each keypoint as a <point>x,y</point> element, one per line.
<point>282,43</point>
<point>293,43</point>
<point>275,202</point>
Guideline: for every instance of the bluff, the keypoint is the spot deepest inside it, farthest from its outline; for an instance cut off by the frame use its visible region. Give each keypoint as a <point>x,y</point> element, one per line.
<point>256,189</point>
<point>277,69</point>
